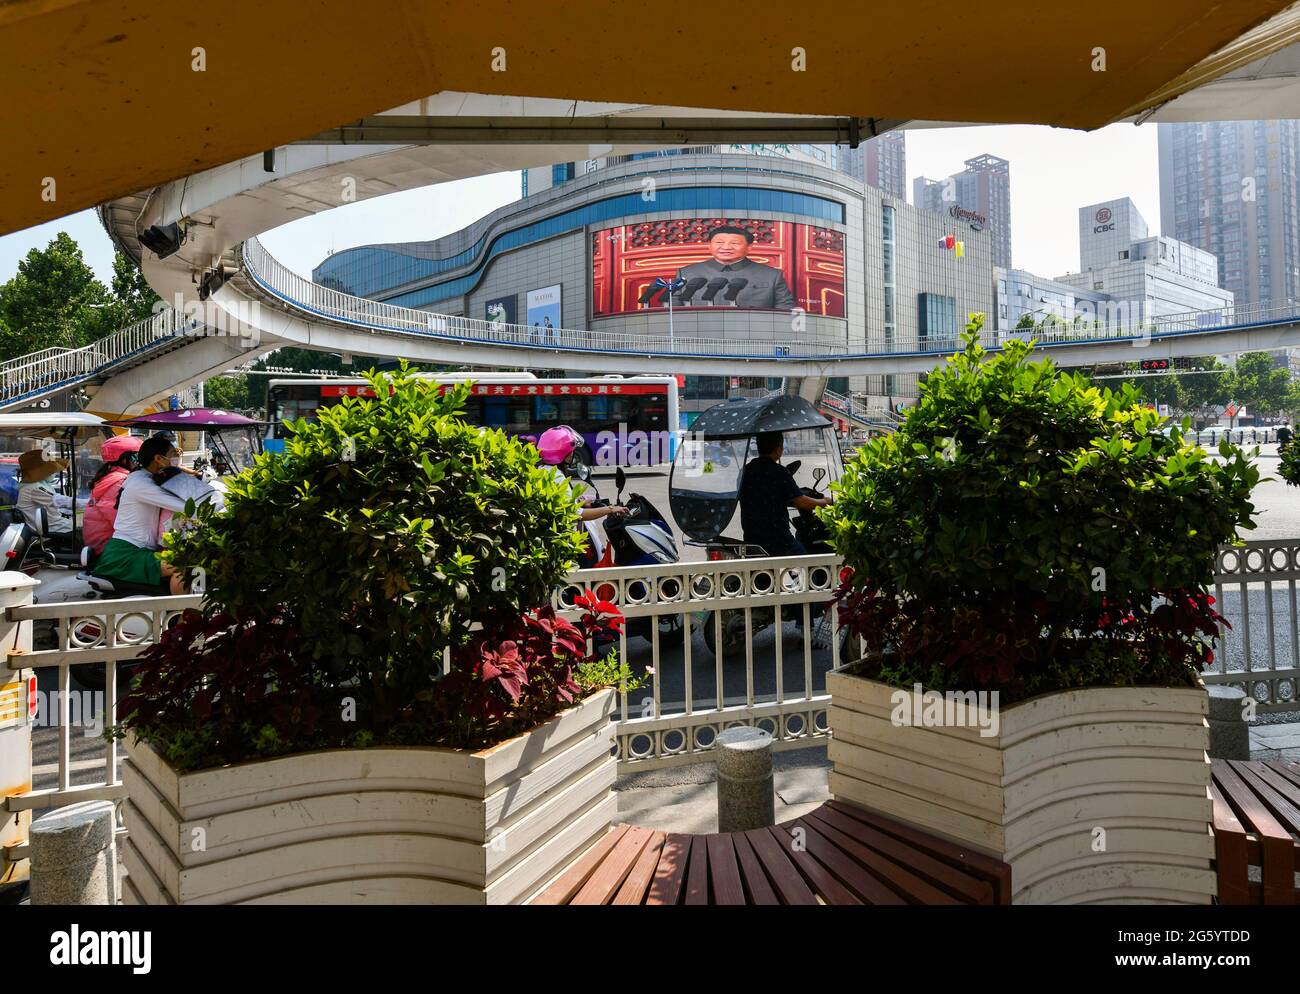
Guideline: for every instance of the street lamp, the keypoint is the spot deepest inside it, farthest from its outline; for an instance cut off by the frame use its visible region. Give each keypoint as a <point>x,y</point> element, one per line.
<point>672,286</point>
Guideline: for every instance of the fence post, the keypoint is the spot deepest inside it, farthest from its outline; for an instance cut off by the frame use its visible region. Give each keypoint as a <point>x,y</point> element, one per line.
<point>16,729</point>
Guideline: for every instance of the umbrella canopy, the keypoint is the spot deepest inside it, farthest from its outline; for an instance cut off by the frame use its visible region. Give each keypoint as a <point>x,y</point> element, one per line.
<point>751,416</point>
<point>189,419</point>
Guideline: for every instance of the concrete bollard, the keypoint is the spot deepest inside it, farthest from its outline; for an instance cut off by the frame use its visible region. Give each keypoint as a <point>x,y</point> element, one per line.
<point>74,856</point>
<point>1229,733</point>
<point>746,796</point>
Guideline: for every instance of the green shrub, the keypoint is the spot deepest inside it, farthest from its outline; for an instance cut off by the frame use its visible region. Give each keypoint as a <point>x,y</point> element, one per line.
<point>1289,467</point>
<point>389,532</point>
<point>1026,531</point>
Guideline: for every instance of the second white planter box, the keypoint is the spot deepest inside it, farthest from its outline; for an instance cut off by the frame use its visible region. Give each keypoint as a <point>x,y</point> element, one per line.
<point>373,826</point>
<point>1098,795</point>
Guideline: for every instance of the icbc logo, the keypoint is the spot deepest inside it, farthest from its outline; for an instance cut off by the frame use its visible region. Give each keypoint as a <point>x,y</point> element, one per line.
<point>1103,215</point>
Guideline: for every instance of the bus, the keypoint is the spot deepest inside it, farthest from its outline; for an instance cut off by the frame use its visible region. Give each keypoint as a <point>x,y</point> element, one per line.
<point>624,420</point>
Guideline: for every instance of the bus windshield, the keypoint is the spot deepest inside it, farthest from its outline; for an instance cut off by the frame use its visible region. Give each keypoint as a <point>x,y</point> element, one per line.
<point>624,421</point>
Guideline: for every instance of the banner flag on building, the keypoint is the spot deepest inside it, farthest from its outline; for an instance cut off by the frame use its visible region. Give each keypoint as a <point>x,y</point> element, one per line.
<point>961,249</point>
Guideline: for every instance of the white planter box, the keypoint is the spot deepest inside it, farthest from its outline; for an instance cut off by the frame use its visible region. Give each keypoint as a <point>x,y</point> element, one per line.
<point>1129,761</point>
<point>373,826</point>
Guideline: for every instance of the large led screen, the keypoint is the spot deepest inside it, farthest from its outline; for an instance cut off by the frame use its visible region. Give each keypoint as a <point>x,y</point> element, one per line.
<point>718,262</point>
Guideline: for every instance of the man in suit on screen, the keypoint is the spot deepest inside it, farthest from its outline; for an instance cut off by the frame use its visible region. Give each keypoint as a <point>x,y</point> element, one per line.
<point>764,287</point>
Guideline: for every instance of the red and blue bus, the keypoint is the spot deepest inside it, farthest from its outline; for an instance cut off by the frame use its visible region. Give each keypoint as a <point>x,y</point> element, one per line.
<point>624,420</point>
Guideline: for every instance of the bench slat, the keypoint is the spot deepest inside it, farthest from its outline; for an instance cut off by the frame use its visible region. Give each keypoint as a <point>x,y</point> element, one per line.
<point>1279,879</point>
<point>1231,864</point>
<point>963,858</point>
<point>601,887</point>
<point>724,871</point>
<point>960,886</point>
<point>821,880</point>
<point>789,883</point>
<point>697,876</point>
<point>571,880</point>
<point>1276,792</point>
<point>847,870</point>
<point>757,885</point>
<point>670,874</point>
<point>637,883</point>
<point>901,881</point>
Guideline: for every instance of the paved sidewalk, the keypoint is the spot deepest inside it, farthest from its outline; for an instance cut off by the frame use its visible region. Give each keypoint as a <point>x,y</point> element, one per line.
<point>1280,741</point>
<point>685,799</point>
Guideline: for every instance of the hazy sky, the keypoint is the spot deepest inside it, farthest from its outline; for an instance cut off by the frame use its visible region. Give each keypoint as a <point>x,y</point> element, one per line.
<point>1053,173</point>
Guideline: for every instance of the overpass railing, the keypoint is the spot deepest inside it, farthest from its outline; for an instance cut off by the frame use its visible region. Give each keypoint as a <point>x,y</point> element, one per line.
<point>287,287</point>
<point>760,676</point>
<point>49,370</point>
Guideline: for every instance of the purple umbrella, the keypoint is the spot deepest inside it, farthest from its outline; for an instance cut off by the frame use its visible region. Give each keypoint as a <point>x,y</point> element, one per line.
<point>189,419</point>
<point>212,420</point>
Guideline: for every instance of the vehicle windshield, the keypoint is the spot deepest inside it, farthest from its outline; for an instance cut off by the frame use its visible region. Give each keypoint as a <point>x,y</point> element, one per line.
<point>704,489</point>
<point>83,449</point>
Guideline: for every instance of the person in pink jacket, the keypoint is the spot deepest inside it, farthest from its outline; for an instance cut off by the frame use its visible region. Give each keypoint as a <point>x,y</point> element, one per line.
<point>118,454</point>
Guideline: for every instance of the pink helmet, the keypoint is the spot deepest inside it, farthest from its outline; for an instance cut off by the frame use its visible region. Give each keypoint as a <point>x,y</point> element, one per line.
<point>557,444</point>
<point>115,446</point>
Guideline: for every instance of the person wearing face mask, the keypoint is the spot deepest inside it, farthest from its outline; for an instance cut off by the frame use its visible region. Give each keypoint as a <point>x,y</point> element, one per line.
<point>36,490</point>
<point>118,454</point>
<point>131,554</point>
<point>187,485</point>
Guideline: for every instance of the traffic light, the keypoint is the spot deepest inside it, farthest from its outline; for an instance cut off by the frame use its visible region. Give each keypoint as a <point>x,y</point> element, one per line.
<point>1153,365</point>
<point>1183,362</point>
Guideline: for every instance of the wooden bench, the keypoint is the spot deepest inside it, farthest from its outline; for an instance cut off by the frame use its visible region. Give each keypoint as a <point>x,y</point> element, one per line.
<point>1256,825</point>
<point>837,854</point>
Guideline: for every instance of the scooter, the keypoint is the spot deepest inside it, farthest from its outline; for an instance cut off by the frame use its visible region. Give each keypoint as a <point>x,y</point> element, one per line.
<point>642,537</point>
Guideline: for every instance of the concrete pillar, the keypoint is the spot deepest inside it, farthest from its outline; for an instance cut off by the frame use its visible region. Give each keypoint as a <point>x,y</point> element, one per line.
<point>746,796</point>
<point>1229,733</point>
<point>73,855</point>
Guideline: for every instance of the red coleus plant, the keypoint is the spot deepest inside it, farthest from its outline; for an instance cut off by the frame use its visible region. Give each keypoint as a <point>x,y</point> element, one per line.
<point>521,669</point>
<point>214,691</point>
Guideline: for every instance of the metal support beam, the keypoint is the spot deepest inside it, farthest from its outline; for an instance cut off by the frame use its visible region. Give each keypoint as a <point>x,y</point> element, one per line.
<point>396,129</point>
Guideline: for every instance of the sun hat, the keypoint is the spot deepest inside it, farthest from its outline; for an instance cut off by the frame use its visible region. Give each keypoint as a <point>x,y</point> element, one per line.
<point>33,467</point>
<point>113,448</point>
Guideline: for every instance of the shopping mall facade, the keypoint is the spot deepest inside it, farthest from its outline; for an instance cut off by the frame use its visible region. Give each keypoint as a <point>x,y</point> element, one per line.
<point>830,261</point>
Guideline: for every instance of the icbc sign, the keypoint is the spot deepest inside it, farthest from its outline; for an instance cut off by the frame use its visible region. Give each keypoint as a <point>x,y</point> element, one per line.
<point>1103,215</point>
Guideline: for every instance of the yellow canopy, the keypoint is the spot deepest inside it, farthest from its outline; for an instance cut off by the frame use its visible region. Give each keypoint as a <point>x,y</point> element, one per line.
<point>106,98</point>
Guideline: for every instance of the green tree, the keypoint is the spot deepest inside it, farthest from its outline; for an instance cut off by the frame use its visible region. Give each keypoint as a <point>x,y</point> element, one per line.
<point>54,300</point>
<point>133,298</point>
<point>1259,384</point>
<point>230,392</point>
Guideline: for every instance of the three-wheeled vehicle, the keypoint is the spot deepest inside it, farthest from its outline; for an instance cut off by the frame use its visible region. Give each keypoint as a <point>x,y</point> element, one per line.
<point>707,474</point>
<point>232,440</point>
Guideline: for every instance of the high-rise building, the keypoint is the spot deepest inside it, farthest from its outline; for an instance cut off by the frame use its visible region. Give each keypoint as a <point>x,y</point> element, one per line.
<point>1145,276</point>
<point>880,162</point>
<point>981,192</point>
<point>1230,188</point>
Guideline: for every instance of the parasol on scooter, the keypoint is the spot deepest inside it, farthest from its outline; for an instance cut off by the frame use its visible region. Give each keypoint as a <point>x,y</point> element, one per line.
<point>236,440</point>
<point>707,475</point>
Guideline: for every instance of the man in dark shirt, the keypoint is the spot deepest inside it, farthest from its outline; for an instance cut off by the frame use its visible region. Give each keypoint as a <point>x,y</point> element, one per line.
<point>761,286</point>
<point>767,493</point>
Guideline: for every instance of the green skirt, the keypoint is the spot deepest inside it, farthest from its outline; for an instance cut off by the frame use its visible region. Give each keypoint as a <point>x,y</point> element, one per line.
<point>123,561</point>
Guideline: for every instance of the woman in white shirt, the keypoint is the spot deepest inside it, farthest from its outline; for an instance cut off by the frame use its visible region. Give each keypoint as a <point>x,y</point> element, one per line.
<point>36,490</point>
<point>131,554</point>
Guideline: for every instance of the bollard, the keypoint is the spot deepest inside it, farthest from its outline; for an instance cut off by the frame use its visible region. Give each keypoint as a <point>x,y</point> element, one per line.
<point>746,796</point>
<point>1229,733</point>
<point>74,856</point>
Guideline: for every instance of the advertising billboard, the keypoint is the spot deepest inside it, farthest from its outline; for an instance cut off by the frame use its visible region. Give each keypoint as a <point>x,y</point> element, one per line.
<point>502,310</point>
<point>744,263</point>
<point>544,311</point>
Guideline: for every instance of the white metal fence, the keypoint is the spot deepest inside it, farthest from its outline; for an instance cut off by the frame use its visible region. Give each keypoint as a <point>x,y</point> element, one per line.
<point>771,676</point>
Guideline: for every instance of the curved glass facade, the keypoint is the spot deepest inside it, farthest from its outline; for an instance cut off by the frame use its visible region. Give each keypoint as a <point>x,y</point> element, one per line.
<point>370,270</point>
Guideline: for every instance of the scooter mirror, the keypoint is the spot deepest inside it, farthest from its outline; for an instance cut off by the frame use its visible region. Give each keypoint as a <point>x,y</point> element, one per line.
<point>620,479</point>
<point>794,466</point>
<point>819,474</point>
